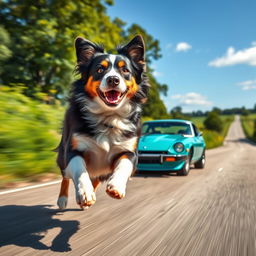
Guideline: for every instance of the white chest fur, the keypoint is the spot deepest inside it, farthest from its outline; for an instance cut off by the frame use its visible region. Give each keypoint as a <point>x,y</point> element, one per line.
<point>100,151</point>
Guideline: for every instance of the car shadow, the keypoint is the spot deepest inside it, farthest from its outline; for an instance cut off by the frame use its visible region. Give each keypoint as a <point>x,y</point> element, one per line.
<point>25,226</point>
<point>247,141</point>
<point>158,174</point>
<point>242,140</point>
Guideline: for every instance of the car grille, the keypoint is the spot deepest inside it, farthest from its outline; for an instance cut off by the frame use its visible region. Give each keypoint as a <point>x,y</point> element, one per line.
<point>151,157</point>
<point>149,160</point>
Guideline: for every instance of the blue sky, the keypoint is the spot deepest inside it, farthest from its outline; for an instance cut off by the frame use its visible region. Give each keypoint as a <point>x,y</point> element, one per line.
<point>208,49</point>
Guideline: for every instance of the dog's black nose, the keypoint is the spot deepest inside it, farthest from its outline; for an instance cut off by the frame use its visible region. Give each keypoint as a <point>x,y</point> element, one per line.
<point>113,81</point>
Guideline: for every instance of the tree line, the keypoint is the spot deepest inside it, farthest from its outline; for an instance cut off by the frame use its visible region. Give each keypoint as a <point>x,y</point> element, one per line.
<point>212,118</point>
<point>177,112</point>
<point>229,111</point>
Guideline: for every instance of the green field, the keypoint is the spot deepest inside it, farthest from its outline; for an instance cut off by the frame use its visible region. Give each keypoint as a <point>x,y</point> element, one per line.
<point>248,126</point>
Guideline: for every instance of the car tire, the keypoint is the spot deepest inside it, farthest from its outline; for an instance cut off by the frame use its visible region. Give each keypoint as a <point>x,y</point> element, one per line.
<point>201,163</point>
<point>186,167</point>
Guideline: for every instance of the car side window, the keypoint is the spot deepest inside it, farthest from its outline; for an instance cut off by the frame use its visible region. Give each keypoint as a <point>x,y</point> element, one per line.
<point>196,131</point>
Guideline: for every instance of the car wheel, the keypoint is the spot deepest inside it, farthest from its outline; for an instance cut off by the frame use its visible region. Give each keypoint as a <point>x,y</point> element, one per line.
<point>201,163</point>
<point>186,167</point>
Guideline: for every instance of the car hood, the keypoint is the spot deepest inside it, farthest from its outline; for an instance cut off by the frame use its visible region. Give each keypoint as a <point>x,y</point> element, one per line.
<point>158,141</point>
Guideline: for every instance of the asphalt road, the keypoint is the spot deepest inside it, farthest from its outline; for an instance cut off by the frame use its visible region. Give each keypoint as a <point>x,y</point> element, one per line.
<point>209,212</point>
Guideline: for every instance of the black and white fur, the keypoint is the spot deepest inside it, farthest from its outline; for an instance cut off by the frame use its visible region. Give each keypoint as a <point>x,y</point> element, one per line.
<point>102,124</point>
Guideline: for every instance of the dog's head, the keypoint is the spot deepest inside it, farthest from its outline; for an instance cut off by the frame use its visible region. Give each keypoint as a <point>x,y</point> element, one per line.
<point>112,79</point>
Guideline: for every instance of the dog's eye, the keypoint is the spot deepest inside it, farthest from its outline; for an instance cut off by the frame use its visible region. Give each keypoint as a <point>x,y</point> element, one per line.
<point>100,70</point>
<point>125,70</point>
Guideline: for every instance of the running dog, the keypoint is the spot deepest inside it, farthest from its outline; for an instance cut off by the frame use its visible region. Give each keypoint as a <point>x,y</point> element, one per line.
<point>102,124</point>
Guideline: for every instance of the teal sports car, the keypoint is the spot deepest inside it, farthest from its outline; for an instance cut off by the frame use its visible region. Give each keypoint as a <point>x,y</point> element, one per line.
<point>170,145</point>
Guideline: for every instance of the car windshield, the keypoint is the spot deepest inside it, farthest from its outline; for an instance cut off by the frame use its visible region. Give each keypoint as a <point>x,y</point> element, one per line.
<point>166,128</point>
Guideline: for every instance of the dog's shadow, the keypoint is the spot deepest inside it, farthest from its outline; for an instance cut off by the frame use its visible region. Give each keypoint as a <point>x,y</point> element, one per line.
<point>25,226</point>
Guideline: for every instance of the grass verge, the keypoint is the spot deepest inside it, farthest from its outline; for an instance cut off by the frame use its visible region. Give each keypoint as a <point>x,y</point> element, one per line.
<point>248,126</point>
<point>28,135</point>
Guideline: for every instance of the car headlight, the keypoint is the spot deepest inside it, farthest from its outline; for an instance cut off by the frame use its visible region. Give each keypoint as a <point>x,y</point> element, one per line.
<point>178,147</point>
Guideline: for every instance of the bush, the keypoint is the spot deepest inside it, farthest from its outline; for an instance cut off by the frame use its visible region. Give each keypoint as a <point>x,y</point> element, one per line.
<point>212,139</point>
<point>254,132</point>
<point>27,135</point>
<point>213,122</point>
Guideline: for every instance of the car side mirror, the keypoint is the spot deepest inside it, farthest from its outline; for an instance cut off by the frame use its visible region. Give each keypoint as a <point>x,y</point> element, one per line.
<point>200,134</point>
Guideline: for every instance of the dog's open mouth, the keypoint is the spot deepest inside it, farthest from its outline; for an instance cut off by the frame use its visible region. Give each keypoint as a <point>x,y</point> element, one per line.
<point>111,97</point>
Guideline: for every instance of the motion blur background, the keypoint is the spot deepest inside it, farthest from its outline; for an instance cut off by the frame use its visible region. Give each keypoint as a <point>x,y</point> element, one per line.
<point>186,45</point>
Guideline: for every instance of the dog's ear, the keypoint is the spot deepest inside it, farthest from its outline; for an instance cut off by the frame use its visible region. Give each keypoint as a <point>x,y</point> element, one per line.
<point>85,50</point>
<point>135,50</point>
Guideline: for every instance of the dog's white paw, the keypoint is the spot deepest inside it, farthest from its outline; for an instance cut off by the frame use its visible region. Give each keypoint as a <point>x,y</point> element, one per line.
<point>62,202</point>
<point>115,190</point>
<point>85,195</point>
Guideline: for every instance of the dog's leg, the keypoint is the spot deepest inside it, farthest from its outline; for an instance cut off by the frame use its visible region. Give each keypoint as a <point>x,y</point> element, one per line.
<point>76,170</point>
<point>117,183</point>
<point>63,196</point>
<point>95,182</point>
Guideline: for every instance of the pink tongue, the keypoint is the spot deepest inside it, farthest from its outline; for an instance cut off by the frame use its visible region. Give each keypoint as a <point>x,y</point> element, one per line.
<point>112,96</point>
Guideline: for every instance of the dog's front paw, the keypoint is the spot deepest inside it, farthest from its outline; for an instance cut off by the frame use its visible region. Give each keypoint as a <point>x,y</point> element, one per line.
<point>85,198</point>
<point>115,191</point>
<point>85,195</point>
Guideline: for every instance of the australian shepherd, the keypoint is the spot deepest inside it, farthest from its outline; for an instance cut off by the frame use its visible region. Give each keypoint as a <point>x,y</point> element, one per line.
<point>102,123</point>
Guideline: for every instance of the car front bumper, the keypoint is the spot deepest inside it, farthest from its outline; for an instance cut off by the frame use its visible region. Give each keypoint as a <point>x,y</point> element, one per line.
<point>160,162</point>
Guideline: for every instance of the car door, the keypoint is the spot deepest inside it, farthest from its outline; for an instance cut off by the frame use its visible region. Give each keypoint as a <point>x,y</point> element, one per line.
<point>198,143</point>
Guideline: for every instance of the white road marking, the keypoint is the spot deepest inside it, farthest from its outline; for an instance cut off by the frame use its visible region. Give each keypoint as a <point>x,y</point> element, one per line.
<point>220,169</point>
<point>30,187</point>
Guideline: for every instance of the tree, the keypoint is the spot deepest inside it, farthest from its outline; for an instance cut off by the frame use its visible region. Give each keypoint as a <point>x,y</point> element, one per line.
<point>5,52</point>
<point>154,107</point>
<point>213,122</point>
<point>244,111</point>
<point>198,113</point>
<point>176,113</point>
<point>217,110</point>
<point>43,35</point>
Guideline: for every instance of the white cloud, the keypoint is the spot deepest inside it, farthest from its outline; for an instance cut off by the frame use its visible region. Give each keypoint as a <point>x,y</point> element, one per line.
<point>183,47</point>
<point>248,82</point>
<point>247,85</point>
<point>192,98</point>
<point>232,57</point>
<point>157,74</point>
